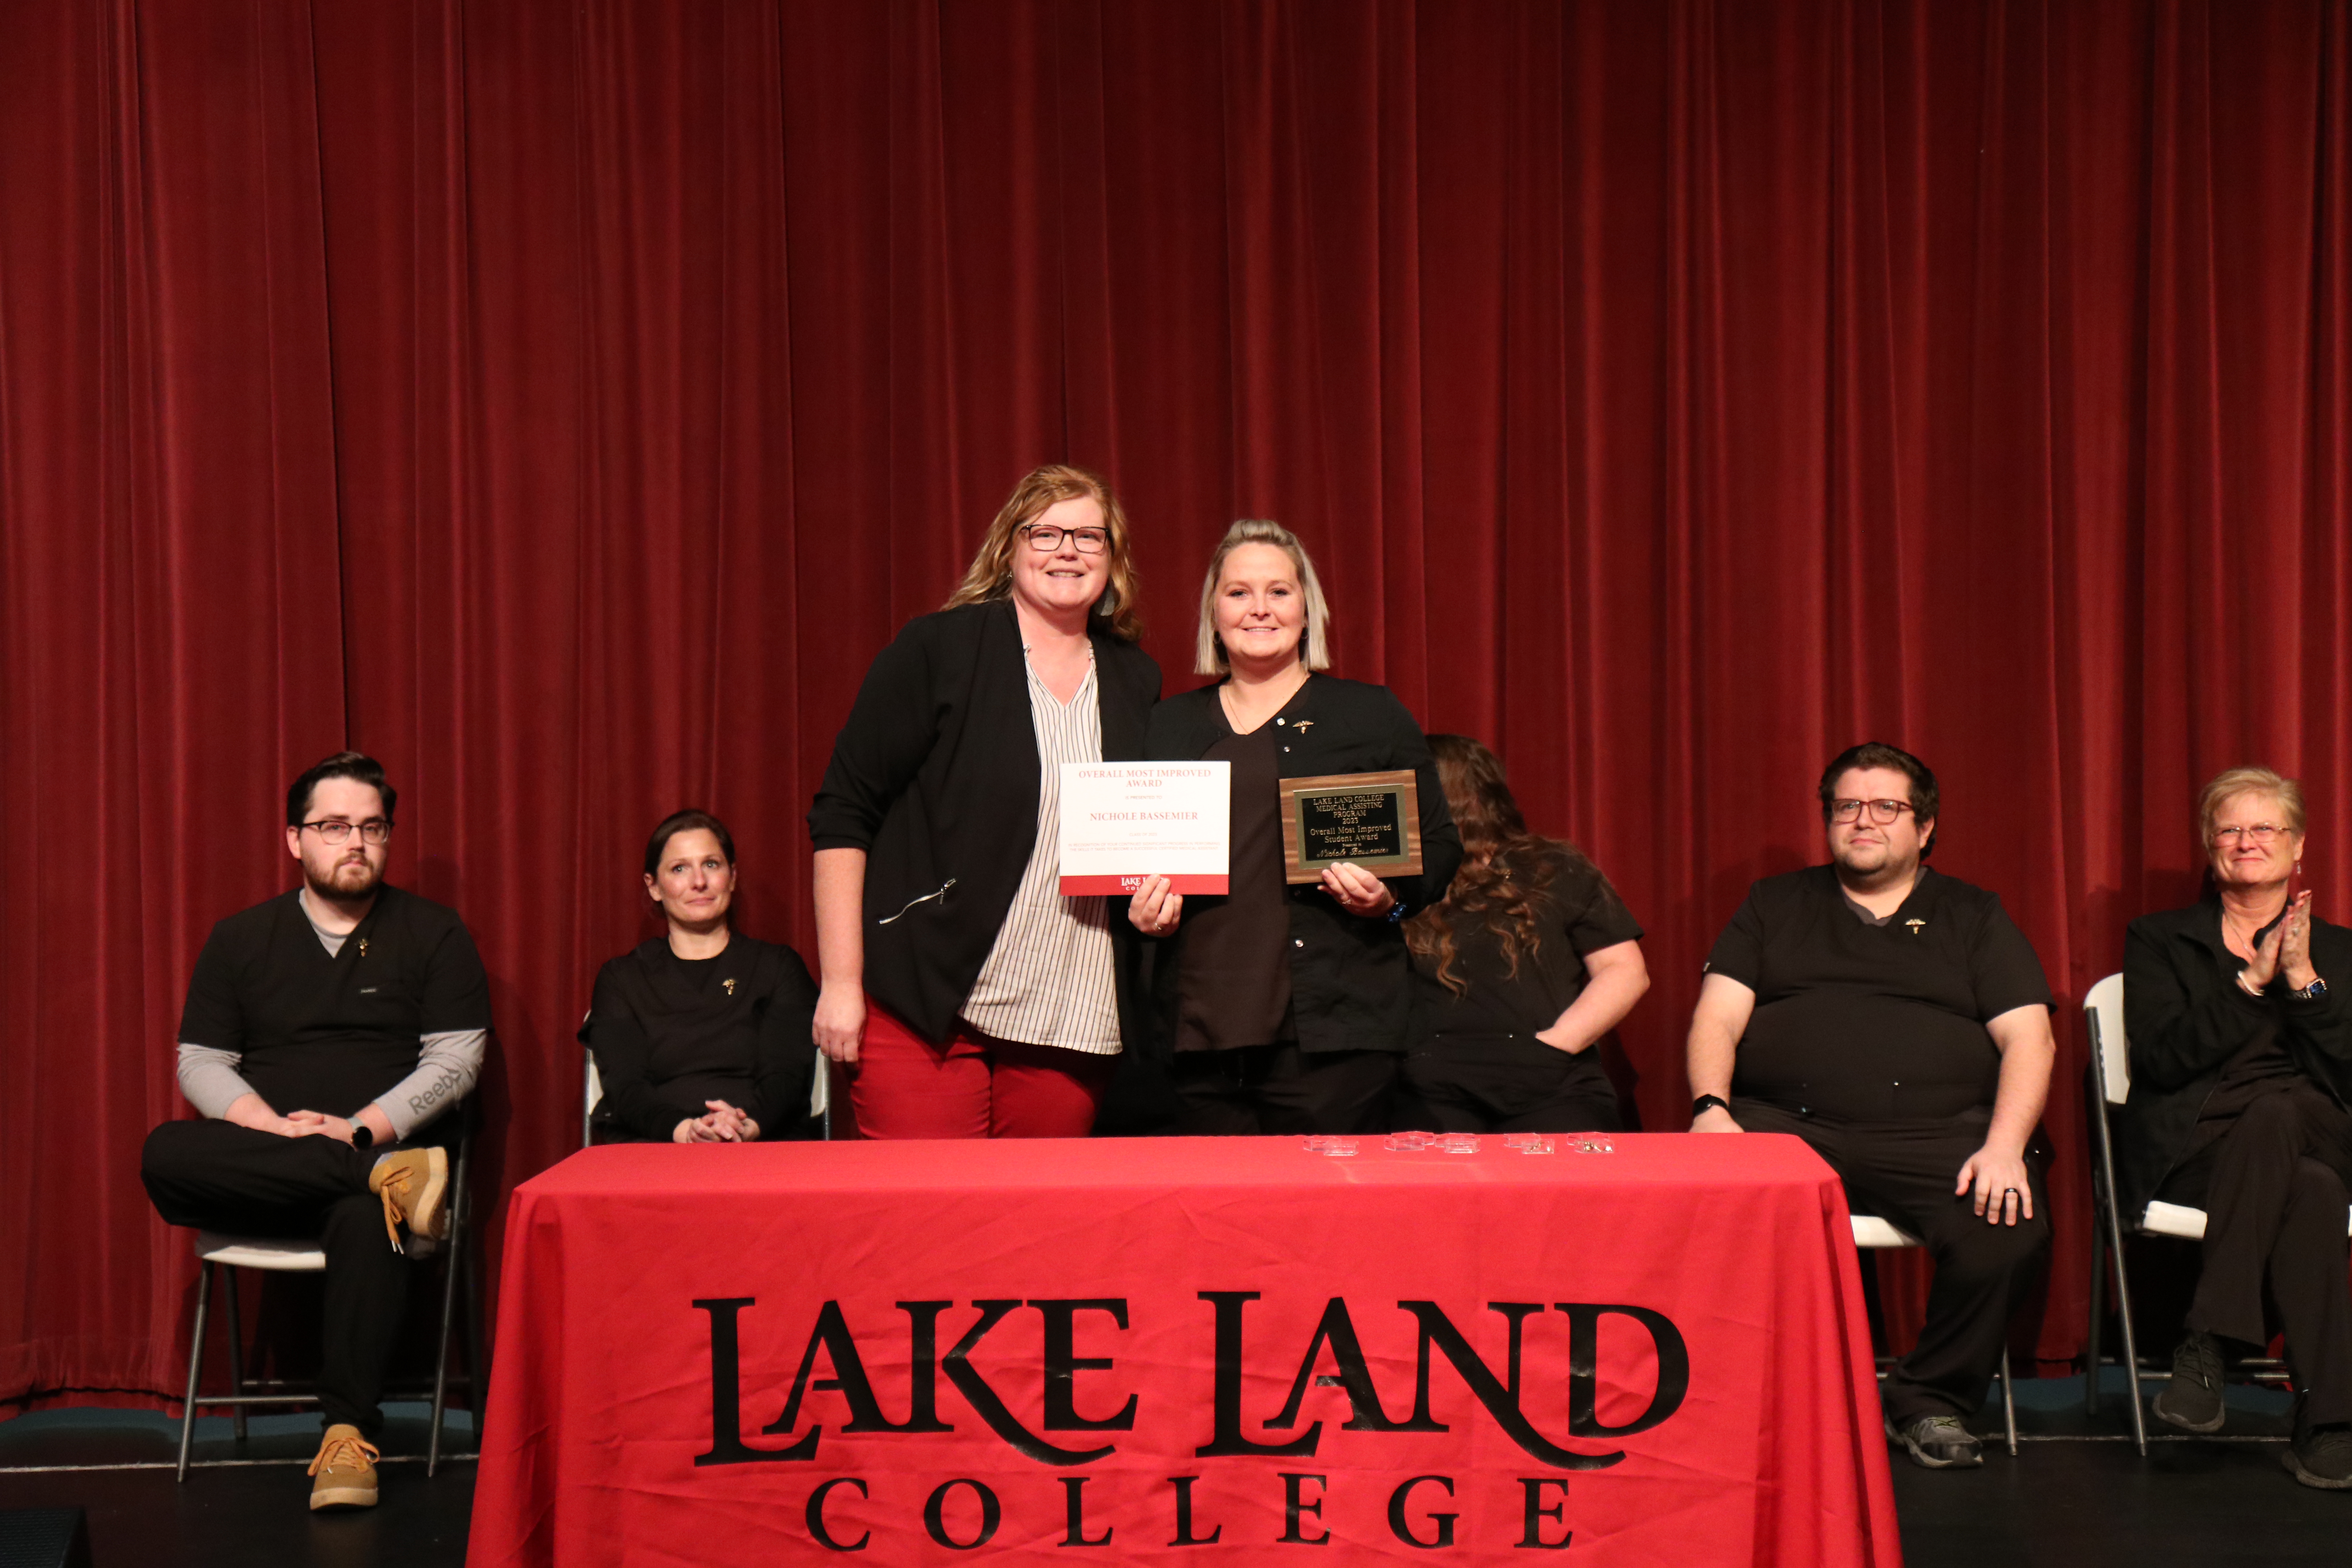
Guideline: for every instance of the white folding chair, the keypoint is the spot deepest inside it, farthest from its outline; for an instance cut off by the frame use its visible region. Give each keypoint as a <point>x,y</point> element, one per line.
<point>2102,1011</point>
<point>1871,1234</point>
<point>278,1256</point>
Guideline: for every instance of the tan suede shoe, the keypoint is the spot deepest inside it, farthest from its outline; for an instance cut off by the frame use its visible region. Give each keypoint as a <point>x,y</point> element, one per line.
<point>413,1185</point>
<point>345,1471</point>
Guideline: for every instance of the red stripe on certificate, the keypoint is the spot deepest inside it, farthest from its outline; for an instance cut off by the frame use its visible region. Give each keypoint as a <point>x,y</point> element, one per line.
<point>1072,886</point>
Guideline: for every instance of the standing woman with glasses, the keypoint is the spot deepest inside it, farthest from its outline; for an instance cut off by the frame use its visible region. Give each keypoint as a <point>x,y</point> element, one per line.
<point>968,997</point>
<point>2242,1069</point>
<point>1285,1007</point>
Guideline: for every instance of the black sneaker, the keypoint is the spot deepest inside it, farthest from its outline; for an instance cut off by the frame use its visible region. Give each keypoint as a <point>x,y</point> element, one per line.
<point>2322,1456</point>
<point>1938,1442</point>
<point>2192,1400</point>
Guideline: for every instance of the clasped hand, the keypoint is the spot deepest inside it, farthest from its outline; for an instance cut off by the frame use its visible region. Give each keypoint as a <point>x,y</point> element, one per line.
<point>2287,950</point>
<point>316,1123</point>
<point>723,1124</point>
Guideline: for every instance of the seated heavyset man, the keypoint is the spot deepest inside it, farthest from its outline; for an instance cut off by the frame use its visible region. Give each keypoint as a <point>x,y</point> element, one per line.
<point>325,1030</point>
<point>1897,1022</point>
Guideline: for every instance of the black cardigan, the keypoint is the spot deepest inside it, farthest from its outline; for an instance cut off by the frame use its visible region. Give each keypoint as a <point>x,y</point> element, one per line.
<point>935,776</point>
<point>2187,1015</point>
<point>662,1050</point>
<point>1350,985</point>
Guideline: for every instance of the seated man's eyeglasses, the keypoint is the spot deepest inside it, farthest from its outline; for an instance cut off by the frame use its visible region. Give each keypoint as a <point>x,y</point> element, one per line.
<point>1086,540</point>
<point>375,831</point>
<point>1882,812</point>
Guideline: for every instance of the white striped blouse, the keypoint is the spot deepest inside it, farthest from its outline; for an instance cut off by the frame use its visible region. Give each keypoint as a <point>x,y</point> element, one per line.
<point>1049,980</point>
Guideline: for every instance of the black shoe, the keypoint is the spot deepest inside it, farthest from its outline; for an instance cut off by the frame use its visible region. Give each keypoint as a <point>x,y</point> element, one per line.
<point>2322,1456</point>
<point>2192,1400</point>
<point>1938,1442</point>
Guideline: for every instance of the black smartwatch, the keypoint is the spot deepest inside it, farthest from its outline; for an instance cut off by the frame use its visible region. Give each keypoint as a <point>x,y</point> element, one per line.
<point>362,1135</point>
<point>1699,1106</point>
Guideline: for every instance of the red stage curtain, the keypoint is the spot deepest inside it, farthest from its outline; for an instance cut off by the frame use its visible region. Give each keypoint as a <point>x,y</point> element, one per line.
<point>563,401</point>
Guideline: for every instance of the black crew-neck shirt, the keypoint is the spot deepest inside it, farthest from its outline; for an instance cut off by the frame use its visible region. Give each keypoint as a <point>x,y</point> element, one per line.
<point>316,1031</point>
<point>1577,913</point>
<point>670,1033</point>
<point>1875,1022</point>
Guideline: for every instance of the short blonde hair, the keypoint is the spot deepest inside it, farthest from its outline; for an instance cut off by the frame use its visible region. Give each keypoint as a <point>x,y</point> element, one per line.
<point>990,575</point>
<point>2232,783</point>
<point>1315,643</point>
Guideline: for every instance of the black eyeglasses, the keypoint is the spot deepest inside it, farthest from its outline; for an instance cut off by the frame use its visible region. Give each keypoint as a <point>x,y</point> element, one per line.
<point>374,830</point>
<point>1882,812</point>
<point>1045,536</point>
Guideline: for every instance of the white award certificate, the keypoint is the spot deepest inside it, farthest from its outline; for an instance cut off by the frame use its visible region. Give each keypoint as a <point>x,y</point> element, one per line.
<point>1122,822</point>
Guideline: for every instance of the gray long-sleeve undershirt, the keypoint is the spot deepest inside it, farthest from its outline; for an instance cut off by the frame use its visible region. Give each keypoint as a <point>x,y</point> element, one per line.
<point>447,1065</point>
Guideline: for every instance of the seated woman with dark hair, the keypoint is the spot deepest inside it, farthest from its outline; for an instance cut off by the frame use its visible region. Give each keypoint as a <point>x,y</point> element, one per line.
<point>701,1035</point>
<point>1521,968</point>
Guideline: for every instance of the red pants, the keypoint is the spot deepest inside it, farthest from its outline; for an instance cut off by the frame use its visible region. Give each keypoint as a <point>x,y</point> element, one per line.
<point>975,1086</point>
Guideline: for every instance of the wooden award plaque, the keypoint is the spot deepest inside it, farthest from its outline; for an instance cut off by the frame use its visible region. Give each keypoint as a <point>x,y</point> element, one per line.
<point>1370,819</point>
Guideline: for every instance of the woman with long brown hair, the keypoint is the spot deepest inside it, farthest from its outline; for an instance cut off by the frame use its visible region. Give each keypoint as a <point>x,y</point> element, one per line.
<point>1527,961</point>
<point>967,995</point>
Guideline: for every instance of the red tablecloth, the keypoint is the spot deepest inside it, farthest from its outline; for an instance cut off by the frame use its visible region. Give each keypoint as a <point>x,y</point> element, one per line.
<point>1184,1350</point>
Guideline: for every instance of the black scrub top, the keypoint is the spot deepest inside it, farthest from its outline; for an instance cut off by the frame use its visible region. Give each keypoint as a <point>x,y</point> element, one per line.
<point>1233,979</point>
<point>670,1033</point>
<point>1875,1022</point>
<point>325,1032</point>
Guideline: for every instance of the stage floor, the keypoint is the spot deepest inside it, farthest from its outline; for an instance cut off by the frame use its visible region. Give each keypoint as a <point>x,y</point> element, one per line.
<point>2062,1501</point>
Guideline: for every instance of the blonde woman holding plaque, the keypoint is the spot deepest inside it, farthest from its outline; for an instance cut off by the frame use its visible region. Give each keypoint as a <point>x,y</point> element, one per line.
<point>1283,1008</point>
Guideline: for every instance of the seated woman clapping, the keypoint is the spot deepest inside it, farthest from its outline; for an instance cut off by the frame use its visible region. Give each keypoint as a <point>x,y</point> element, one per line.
<point>1527,961</point>
<point>2240,1071</point>
<point>701,1035</point>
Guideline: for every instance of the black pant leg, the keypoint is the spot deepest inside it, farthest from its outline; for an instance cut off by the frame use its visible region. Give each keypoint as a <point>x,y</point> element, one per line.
<point>1984,1271</point>
<point>1430,1095</point>
<point>1503,1084</point>
<point>367,1294</point>
<point>2248,1174</point>
<point>1905,1172</point>
<point>1325,1091</point>
<point>1212,1093</point>
<point>215,1175</point>
<point>1565,1113</point>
